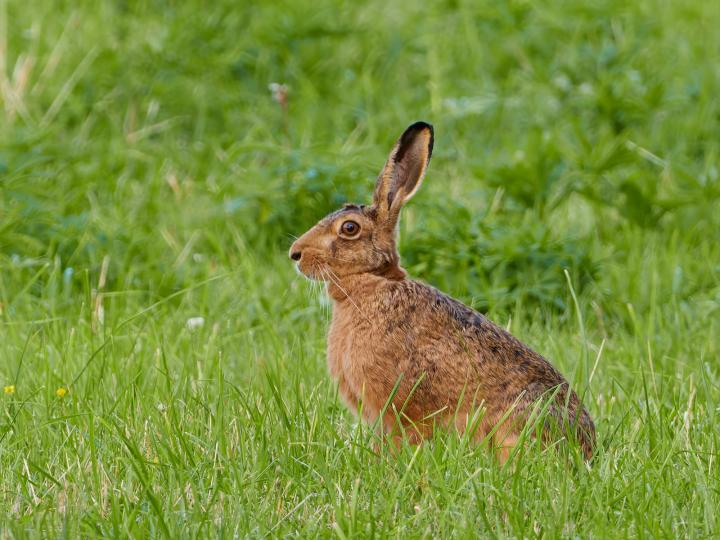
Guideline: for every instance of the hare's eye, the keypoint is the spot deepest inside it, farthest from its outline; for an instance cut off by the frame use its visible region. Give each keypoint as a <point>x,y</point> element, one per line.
<point>350,228</point>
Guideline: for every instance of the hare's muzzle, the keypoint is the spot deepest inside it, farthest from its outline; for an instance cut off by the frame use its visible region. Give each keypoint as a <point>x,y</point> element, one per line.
<point>295,251</point>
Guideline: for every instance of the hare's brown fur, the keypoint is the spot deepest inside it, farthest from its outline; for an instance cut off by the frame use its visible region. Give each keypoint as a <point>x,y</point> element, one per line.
<point>444,360</point>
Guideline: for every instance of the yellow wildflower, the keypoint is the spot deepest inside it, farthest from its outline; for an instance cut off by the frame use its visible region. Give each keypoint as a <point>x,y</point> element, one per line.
<point>10,389</point>
<point>60,392</point>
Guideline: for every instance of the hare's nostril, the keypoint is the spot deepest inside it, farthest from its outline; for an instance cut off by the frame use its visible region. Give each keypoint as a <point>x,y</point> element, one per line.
<point>295,255</point>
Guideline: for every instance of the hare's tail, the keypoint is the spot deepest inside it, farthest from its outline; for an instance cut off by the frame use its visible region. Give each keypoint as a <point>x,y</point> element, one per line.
<point>563,417</point>
<point>585,433</point>
<point>577,424</point>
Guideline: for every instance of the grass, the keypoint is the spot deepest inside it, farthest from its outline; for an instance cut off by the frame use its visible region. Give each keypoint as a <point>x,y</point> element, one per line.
<point>149,188</point>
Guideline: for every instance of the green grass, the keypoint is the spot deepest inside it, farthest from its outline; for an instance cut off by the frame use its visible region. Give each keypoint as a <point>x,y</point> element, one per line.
<point>147,177</point>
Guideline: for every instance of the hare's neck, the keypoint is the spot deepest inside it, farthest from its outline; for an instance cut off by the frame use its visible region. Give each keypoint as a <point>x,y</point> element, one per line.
<point>359,288</point>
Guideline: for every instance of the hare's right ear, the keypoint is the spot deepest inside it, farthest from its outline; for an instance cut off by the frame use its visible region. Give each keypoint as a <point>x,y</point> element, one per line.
<point>403,173</point>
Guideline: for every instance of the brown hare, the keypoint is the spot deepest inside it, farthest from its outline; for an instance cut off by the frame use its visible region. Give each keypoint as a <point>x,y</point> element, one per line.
<point>404,350</point>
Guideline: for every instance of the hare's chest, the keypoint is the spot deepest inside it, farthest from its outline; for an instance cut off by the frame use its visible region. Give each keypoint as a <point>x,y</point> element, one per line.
<point>349,349</point>
<point>337,349</point>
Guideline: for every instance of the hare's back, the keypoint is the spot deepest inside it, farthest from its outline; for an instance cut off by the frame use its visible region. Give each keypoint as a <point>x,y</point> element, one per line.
<point>463,336</point>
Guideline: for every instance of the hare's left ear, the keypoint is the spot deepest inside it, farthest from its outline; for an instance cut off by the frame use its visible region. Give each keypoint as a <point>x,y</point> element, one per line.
<point>403,173</point>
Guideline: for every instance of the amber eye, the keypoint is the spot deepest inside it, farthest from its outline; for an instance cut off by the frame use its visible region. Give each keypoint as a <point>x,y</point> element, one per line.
<point>350,228</point>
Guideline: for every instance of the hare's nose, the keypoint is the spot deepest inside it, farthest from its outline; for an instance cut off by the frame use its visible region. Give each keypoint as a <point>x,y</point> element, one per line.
<point>295,255</point>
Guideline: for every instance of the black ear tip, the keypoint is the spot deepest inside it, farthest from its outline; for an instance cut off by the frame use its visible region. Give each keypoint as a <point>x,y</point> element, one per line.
<point>419,126</point>
<point>414,129</point>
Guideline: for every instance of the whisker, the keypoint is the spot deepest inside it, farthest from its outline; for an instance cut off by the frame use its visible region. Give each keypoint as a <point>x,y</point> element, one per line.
<point>333,277</point>
<point>325,304</point>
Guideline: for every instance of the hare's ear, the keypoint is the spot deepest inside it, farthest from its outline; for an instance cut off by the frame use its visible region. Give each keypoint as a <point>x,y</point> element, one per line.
<point>403,173</point>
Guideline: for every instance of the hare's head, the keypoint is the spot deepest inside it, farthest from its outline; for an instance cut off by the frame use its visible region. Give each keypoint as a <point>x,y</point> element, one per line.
<point>359,238</point>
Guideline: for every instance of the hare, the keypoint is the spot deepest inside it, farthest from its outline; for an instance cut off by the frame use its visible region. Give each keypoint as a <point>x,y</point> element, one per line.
<point>403,350</point>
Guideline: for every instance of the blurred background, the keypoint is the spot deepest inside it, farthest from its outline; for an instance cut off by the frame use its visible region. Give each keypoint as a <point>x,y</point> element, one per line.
<point>569,135</point>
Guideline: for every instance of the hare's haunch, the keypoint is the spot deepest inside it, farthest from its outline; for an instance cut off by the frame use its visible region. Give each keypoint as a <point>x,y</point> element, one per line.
<point>390,333</point>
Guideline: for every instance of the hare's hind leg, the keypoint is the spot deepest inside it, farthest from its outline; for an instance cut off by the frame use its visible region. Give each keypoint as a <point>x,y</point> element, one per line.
<point>504,445</point>
<point>501,434</point>
<point>395,430</point>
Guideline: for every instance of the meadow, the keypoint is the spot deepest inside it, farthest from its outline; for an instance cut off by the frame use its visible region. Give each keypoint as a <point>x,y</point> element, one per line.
<point>162,365</point>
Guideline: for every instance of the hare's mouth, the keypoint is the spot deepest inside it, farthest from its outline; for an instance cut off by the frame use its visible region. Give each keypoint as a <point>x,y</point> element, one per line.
<point>312,269</point>
<point>306,273</point>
